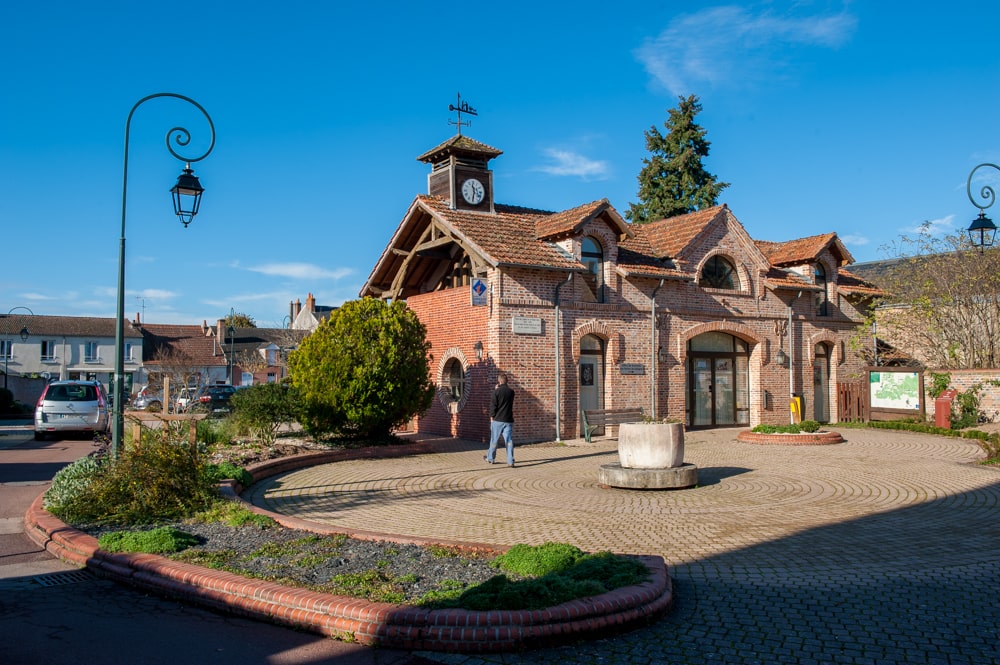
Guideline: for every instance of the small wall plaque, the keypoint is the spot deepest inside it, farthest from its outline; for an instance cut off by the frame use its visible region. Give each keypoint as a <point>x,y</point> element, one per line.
<point>526,325</point>
<point>632,368</point>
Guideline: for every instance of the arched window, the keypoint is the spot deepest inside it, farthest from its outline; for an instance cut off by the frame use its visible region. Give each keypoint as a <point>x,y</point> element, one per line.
<point>453,379</point>
<point>822,297</point>
<point>718,273</point>
<point>592,256</point>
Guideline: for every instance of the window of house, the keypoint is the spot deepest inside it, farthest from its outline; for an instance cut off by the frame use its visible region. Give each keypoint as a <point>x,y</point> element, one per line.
<point>592,256</point>
<point>127,352</point>
<point>272,377</point>
<point>453,379</point>
<point>822,297</point>
<point>718,273</point>
<point>48,349</point>
<point>6,349</point>
<point>90,352</point>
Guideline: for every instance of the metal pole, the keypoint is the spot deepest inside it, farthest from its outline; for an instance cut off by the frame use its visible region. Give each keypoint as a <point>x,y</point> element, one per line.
<point>182,137</point>
<point>654,349</point>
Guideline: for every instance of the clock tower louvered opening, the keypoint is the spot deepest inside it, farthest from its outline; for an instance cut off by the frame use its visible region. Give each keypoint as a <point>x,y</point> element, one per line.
<point>460,173</point>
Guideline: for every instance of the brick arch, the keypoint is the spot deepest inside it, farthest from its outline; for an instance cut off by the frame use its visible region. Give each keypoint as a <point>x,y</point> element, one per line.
<point>825,337</point>
<point>735,329</point>
<point>450,405</point>
<point>741,274</point>
<point>599,329</point>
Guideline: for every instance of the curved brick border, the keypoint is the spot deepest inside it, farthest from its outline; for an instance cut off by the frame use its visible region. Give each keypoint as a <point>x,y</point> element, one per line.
<point>803,439</point>
<point>373,624</point>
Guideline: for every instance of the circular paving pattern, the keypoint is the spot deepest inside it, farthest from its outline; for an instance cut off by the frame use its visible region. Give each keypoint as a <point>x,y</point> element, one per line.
<point>824,546</point>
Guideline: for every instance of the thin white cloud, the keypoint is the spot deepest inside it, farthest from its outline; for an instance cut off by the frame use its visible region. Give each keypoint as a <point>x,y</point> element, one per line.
<point>37,296</point>
<point>934,227</point>
<point>853,240</point>
<point>568,163</point>
<point>730,44</point>
<point>300,271</point>
<point>154,294</point>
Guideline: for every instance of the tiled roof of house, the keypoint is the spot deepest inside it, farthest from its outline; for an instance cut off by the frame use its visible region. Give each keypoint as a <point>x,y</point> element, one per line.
<point>68,326</point>
<point>507,238</point>
<point>570,221</point>
<point>197,345</point>
<point>851,284</point>
<point>803,250</point>
<point>459,144</point>
<point>670,237</point>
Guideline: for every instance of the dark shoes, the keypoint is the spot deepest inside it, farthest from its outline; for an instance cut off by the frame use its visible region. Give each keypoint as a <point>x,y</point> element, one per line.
<point>511,465</point>
<point>488,460</point>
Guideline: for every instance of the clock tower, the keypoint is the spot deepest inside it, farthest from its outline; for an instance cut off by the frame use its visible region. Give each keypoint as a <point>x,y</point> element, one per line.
<point>460,173</point>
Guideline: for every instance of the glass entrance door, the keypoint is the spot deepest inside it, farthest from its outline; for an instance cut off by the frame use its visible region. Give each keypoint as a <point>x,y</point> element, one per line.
<point>718,381</point>
<point>701,392</point>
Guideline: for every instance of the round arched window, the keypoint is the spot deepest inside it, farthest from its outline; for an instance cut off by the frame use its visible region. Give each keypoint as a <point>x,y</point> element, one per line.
<point>453,379</point>
<point>718,273</point>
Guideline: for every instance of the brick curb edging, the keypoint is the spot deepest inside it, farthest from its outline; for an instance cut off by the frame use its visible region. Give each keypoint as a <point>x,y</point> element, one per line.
<point>373,624</point>
<point>802,439</point>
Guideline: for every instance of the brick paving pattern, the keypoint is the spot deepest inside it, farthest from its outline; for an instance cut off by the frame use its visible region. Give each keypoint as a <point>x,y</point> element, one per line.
<point>884,549</point>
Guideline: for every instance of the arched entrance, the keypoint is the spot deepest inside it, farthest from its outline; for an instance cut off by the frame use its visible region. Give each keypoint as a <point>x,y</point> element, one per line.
<point>718,381</point>
<point>590,375</point>
<point>821,384</point>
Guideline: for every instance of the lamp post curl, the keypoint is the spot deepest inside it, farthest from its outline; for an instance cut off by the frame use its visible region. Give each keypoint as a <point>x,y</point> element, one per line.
<point>187,200</point>
<point>982,231</point>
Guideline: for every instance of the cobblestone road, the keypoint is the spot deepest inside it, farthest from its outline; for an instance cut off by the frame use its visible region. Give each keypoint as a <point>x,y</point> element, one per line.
<point>884,549</point>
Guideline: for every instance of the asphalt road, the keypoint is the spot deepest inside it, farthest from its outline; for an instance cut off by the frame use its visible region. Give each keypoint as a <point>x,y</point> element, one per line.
<point>55,614</point>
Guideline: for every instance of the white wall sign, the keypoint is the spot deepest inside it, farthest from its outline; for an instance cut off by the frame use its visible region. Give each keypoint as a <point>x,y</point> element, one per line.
<point>478,291</point>
<point>526,325</point>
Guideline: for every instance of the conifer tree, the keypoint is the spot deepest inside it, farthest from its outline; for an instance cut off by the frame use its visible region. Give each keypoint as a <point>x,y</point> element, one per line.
<point>673,180</point>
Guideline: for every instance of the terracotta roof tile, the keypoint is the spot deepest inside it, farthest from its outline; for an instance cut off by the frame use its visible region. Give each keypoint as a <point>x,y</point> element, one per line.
<point>571,221</point>
<point>851,284</point>
<point>802,250</point>
<point>459,144</point>
<point>671,236</point>
<point>73,326</point>
<point>199,346</point>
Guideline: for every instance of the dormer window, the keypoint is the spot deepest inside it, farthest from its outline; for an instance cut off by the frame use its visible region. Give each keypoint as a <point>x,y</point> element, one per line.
<point>822,296</point>
<point>718,273</point>
<point>592,256</point>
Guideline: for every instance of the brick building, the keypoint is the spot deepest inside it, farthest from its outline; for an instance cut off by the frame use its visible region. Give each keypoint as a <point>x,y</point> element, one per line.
<point>688,318</point>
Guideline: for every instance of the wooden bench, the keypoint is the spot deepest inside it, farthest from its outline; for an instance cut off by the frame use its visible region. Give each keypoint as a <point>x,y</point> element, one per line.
<point>594,418</point>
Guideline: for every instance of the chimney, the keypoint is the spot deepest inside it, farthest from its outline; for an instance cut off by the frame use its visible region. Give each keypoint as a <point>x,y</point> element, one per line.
<point>204,327</point>
<point>298,308</point>
<point>220,329</point>
<point>311,304</point>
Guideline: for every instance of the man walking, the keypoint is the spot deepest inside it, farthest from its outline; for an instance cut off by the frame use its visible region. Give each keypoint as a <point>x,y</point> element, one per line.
<point>501,420</point>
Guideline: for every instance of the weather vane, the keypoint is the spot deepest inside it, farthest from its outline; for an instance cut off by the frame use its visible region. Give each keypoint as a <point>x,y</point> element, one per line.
<point>461,107</point>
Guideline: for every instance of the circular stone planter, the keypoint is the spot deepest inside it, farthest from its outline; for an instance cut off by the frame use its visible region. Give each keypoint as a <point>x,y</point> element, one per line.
<point>651,456</point>
<point>801,439</point>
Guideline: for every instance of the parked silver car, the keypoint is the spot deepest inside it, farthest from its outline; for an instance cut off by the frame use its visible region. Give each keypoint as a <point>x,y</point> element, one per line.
<point>71,406</point>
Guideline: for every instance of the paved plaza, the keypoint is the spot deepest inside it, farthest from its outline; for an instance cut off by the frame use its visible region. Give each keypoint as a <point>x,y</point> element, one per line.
<point>884,549</point>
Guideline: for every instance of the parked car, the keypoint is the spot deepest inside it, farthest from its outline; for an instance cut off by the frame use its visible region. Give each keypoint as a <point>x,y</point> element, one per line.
<point>145,400</point>
<point>185,398</point>
<point>71,406</point>
<point>213,400</point>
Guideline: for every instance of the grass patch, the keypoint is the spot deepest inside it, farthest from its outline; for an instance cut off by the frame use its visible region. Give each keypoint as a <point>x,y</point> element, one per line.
<point>163,540</point>
<point>233,513</point>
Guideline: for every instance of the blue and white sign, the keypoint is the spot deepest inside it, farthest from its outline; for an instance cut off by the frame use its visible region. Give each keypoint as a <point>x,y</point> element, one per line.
<point>478,292</point>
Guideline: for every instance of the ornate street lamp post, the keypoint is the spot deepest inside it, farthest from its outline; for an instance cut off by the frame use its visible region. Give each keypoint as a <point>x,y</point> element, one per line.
<point>8,329</point>
<point>187,199</point>
<point>982,231</point>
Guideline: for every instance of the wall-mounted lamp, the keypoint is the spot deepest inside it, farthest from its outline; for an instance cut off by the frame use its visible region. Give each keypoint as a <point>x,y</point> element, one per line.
<point>661,355</point>
<point>478,347</point>
<point>781,358</point>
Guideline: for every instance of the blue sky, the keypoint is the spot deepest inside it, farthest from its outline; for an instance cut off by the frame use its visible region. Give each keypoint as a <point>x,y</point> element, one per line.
<point>863,118</point>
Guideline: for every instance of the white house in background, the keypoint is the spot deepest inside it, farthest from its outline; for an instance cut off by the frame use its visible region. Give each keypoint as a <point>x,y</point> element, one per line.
<point>69,347</point>
<point>308,318</point>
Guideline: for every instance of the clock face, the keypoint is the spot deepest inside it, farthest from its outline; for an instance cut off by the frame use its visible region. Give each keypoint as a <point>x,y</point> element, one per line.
<point>473,191</point>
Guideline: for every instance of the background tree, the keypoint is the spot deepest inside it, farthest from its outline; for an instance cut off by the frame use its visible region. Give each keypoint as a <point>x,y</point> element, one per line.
<point>673,180</point>
<point>363,371</point>
<point>240,320</point>
<point>942,301</point>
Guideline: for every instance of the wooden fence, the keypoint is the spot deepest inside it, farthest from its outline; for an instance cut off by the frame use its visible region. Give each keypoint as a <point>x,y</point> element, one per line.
<point>852,402</point>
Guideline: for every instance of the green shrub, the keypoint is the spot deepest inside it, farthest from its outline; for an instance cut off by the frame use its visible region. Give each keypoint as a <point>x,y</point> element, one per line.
<point>263,408</point>
<point>938,384</point>
<point>234,514</point>
<point>157,478</point>
<point>215,431</point>
<point>809,426</point>
<point>164,540</point>
<point>791,428</point>
<point>538,560</point>
<point>216,473</point>
<point>71,482</point>
<point>968,407</point>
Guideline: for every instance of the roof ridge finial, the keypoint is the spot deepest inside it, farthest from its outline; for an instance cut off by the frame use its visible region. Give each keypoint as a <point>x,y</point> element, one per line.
<point>461,107</point>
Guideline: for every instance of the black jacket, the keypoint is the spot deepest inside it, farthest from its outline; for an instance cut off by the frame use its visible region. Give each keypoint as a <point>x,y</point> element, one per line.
<point>502,404</point>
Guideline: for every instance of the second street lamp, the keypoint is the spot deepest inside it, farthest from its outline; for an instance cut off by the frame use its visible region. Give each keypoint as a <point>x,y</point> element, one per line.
<point>982,231</point>
<point>187,200</point>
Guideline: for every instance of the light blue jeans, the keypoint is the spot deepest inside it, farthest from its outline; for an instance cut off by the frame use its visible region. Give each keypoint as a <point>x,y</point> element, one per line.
<point>506,430</point>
